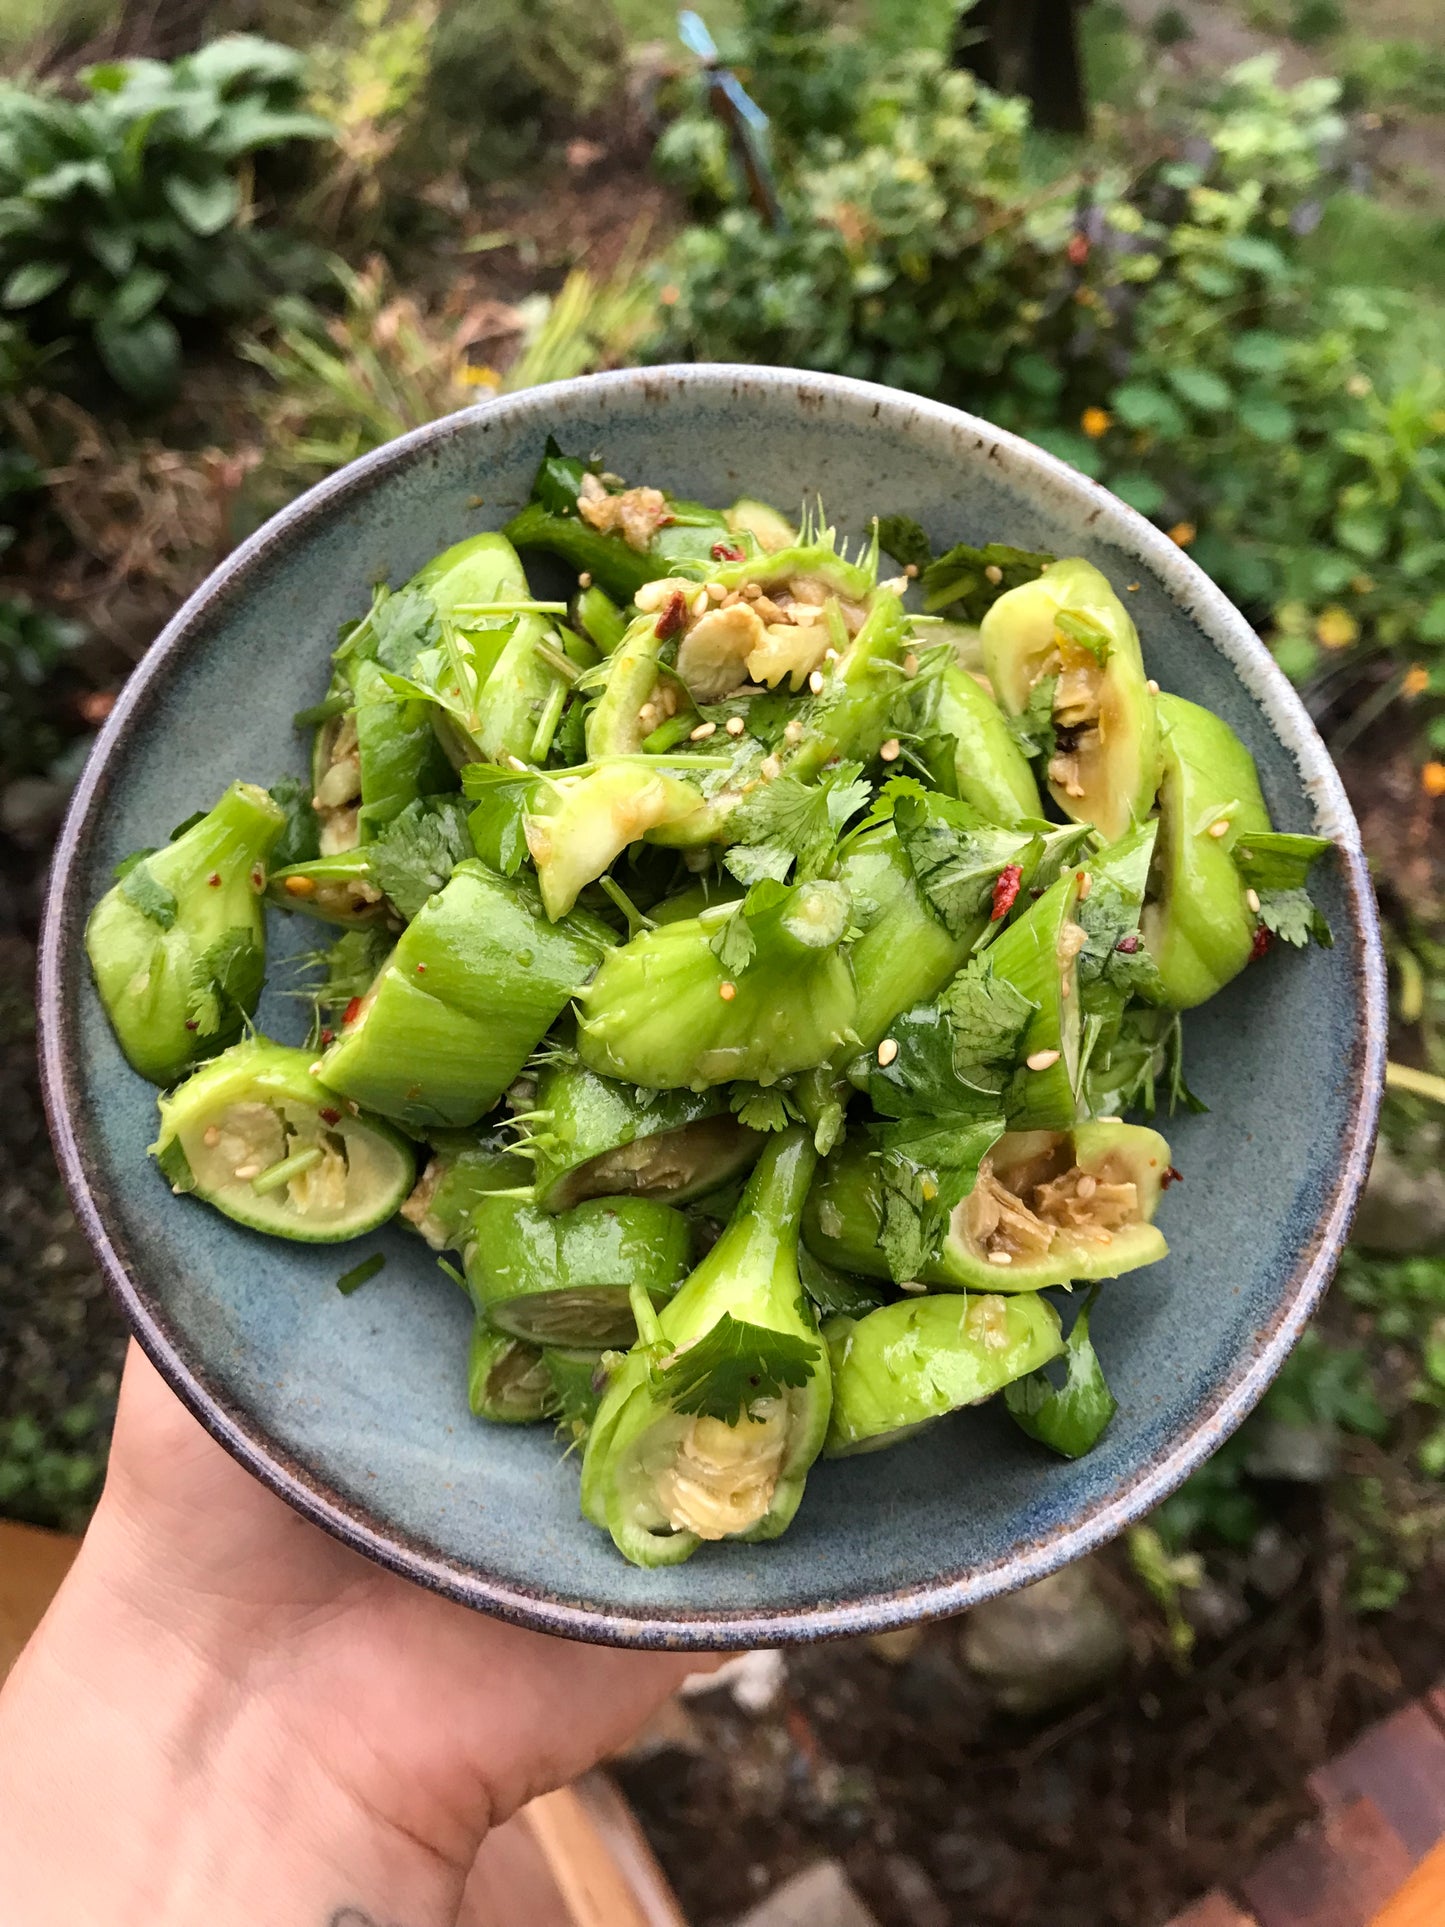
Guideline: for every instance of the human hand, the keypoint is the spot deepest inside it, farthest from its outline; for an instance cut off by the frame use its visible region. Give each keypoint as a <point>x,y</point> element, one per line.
<point>228,1716</point>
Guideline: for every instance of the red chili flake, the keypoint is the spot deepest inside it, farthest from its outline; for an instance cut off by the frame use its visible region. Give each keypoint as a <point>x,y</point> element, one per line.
<point>1262,941</point>
<point>1171,1176</point>
<point>1078,249</point>
<point>673,616</point>
<point>192,1023</point>
<point>214,879</point>
<point>329,1117</point>
<point>1128,944</point>
<point>1005,891</point>
<point>328,1036</point>
<point>421,970</point>
<point>352,1011</point>
<point>726,552</point>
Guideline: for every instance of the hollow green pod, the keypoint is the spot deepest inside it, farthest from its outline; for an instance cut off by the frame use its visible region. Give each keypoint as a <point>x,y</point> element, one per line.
<point>904,1366</point>
<point>256,1134</point>
<point>616,725</point>
<point>178,945</point>
<point>399,755</point>
<point>464,1167</point>
<point>595,1138</point>
<point>1047,1208</point>
<point>475,982</point>
<point>1038,955</point>
<point>508,1381</point>
<point>671,1009</point>
<point>1198,926</point>
<point>578,826</point>
<point>709,1425</point>
<point>599,618</point>
<point>564,1278</point>
<point>1067,636</point>
<point>769,528</point>
<point>970,752</point>
<point>337,889</point>
<point>905,955</point>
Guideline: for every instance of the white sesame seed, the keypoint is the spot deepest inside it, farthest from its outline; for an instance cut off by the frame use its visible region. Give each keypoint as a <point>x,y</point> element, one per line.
<point>752,590</point>
<point>703,731</point>
<point>1251,897</point>
<point>815,682</point>
<point>244,1171</point>
<point>794,732</point>
<point>887,1051</point>
<point>912,1286</point>
<point>993,572</point>
<point>770,768</point>
<point>647,714</point>
<point>910,664</point>
<point>1153,687</point>
<point>735,725</point>
<point>1042,1060</point>
<point>1133,588</point>
<point>1221,828</point>
<point>699,604</point>
<point>890,750</point>
<point>1000,1257</point>
<point>316,1068</point>
<point>830,655</point>
<point>211,1136</point>
<point>517,763</point>
<point>584,581</point>
<point>1087,1186</point>
<point>716,591</point>
<point>1086,884</point>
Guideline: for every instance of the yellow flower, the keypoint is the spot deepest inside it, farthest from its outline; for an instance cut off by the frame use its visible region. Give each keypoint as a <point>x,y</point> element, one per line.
<point>1417,680</point>
<point>1432,779</point>
<point>1183,533</point>
<point>1336,628</point>
<point>471,376</point>
<point>1096,422</point>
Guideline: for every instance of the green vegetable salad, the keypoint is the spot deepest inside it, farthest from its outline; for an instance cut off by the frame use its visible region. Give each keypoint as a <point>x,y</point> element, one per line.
<point>743,965</point>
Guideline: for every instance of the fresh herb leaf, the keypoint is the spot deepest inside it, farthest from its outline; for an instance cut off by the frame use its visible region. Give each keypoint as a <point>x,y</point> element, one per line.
<point>225,984</point>
<point>988,1016</point>
<point>956,856</point>
<point>1277,860</point>
<point>788,821</point>
<point>1292,916</point>
<point>959,580</point>
<point>732,942</point>
<point>417,851</point>
<point>353,1280</point>
<point>402,626</point>
<point>558,482</point>
<point>732,1366</point>
<point>1084,631</point>
<point>127,863</point>
<point>927,1165</point>
<point>350,966</point>
<point>1034,731</point>
<point>195,817</point>
<point>763,1110</point>
<point>766,716</point>
<point>300,840</point>
<point>144,892</point>
<point>498,825</point>
<point>1070,1418</point>
<point>834,1294</point>
<point>751,862</point>
<point>903,538</point>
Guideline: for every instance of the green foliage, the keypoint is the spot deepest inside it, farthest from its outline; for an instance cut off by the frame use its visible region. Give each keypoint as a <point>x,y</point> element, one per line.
<point>129,209</point>
<point>34,648</point>
<point>54,1476</point>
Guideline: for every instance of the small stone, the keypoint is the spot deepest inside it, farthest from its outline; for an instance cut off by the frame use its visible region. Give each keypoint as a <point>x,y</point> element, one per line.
<point>821,1896</point>
<point>753,1679</point>
<point>1403,1209</point>
<point>1046,1646</point>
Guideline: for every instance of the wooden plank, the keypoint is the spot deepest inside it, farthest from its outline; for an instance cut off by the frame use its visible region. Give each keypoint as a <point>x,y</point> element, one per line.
<point>1337,1874</point>
<point>617,1826</point>
<point>32,1565</point>
<point>511,1882</point>
<point>1421,1901</point>
<point>1400,1766</point>
<point>1215,1910</point>
<point>593,1855</point>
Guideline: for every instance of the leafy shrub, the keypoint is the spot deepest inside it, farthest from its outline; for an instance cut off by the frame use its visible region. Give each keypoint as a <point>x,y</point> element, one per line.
<point>34,646</point>
<point>128,209</point>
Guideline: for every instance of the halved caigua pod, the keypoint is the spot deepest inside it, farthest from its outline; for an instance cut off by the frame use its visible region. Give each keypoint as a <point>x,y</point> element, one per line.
<point>335,889</point>
<point>909,1363</point>
<point>1070,626</point>
<point>905,955</point>
<point>769,527</point>
<point>563,1279</point>
<point>1198,926</point>
<point>464,1167</point>
<point>595,1138</point>
<point>1047,1208</point>
<point>474,983</point>
<point>256,1134</point>
<point>578,826</point>
<point>970,752</point>
<point>400,756</point>
<point>1038,955</point>
<point>507,1379</point>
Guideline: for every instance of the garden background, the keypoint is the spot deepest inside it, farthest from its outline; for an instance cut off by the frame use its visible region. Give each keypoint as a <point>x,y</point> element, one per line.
<point>243,242</point>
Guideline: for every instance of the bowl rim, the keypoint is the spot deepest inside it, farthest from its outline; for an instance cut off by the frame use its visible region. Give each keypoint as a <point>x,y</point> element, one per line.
<point>714,1628</point>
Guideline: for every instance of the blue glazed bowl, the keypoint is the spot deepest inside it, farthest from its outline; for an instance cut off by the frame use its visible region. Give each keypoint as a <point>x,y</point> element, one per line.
<point>354,1408</point>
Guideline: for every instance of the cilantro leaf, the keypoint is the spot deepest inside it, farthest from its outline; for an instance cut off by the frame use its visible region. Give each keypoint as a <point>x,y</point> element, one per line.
<point>732,942</point>
<point>959,579</point>
<point>927,1166</point>
<point>903,538</point>
<point>836,1293</point>
<point>417,851</point>
<point>224,986</point>
<point>498,825</point>
<point>1292,916</point>
<point>350,965</point>
<point>789,820</point>
<point>299,841</point>
<point>763,1110</point>
<point>988,1016</point>
<point>1070,1418</point>
<point>1034,731</point>
<point>144,892</point>
<point>956,856</point>
<point>732,1366</point>
<point>1277,860</point>
<point>402,626</point>
<point>127,863</point>
<point>751,862</point>
<point>558,480</point>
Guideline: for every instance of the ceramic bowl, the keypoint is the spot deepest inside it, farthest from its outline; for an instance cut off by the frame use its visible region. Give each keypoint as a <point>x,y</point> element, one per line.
<point>354,1408</point>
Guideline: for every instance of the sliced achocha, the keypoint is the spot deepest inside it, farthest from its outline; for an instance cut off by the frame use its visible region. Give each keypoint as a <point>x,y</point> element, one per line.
<point>464,1167</point>
<point>1038,956</point>
<point>748,993</point>
<point>710,1424</point>
<point>565,1279</point>
<point>258,1135</point>
<point>970,751</point>
<point>1063,652</point>
<point>1198,925</point>
<point>1046,1208</point>
<point>579,1379</point>
<point>472,986</point>
<point>507,1380</point>
<point>595,1138</point>
<point>578,826</point>
<point>910,1363</point>
<point>178,944</point>
<point>335,889</point>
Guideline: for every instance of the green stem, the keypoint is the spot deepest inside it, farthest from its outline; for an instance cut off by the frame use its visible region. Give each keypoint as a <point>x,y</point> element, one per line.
<point>524,607</point>
<point>547,722</point>
<point>285,1169</point>
<point>554,659</point>
<point>1403,1077</point>
<point>635,919</point>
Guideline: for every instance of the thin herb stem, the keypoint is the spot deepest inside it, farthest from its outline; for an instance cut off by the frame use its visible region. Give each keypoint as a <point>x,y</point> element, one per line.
<point>554,659</point>
<point>635,919</point>
<point>1404,1077</point>
<point>523,607</point>
<point>547,722</point>
<point>282,1172</point>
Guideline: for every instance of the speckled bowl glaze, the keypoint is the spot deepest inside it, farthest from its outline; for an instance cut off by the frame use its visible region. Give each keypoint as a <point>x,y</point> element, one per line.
<point>354,1408</point>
